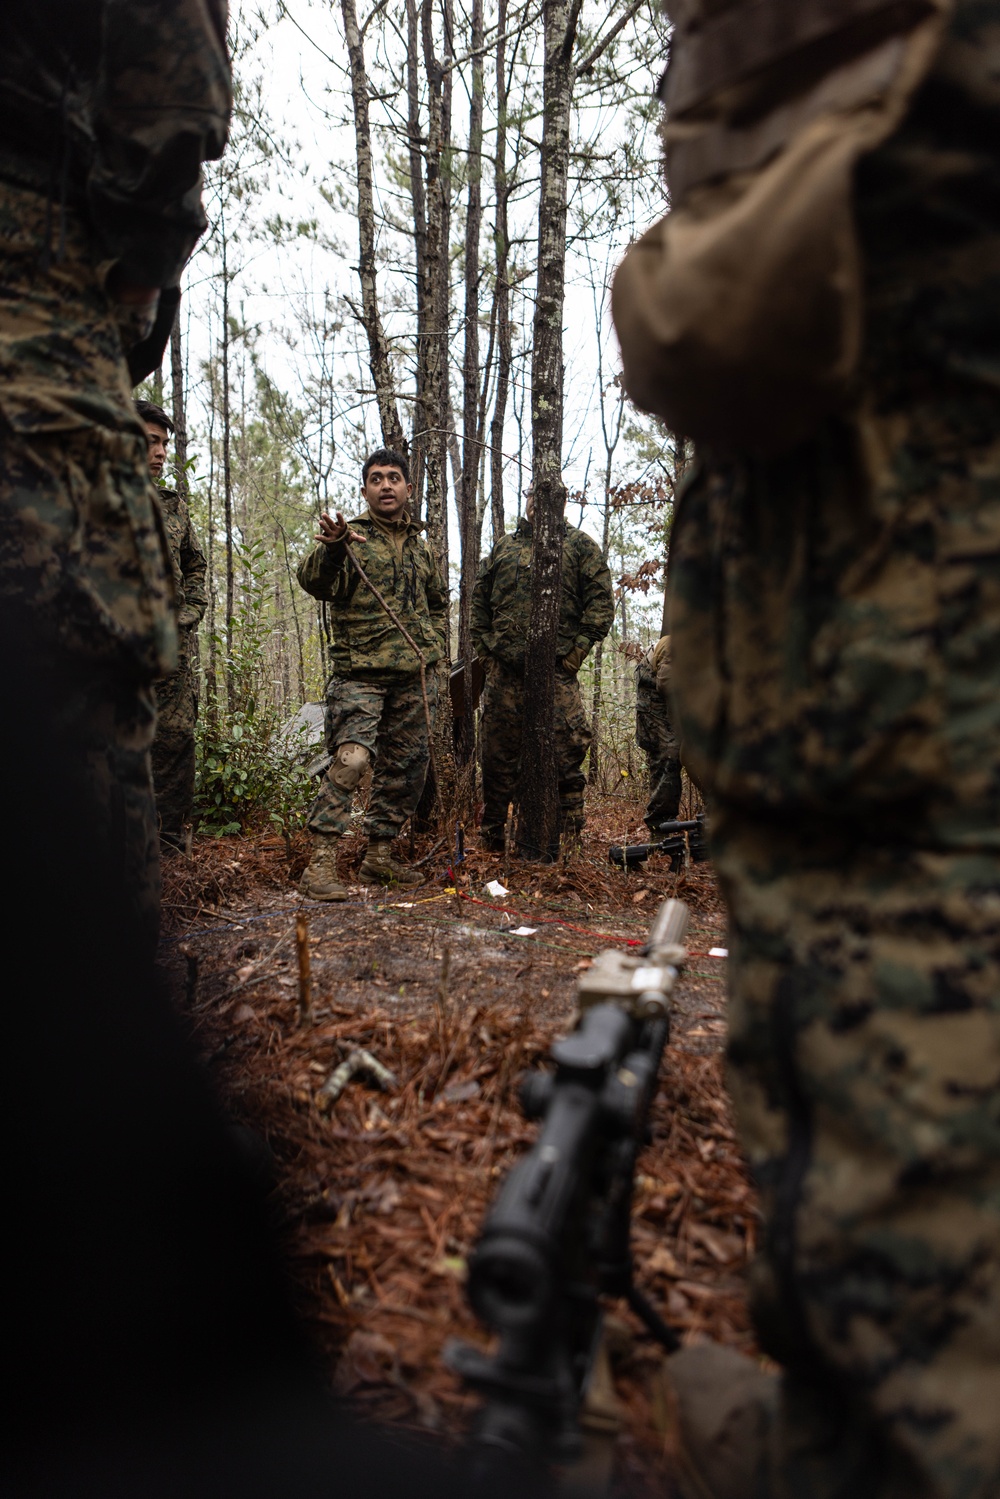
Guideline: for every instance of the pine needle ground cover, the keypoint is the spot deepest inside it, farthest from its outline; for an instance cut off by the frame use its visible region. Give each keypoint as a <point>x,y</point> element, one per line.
<point>380,1193</point>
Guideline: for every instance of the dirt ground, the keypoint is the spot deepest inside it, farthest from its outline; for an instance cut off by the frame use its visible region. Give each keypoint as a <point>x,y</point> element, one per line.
<point>381,1194</point>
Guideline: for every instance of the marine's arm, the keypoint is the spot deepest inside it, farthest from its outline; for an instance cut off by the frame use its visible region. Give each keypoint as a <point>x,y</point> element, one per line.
<point>597,603</point>
<point>324,572</point>
<point>482,608</point>
<point>437,603</point>
<point>194,572</point>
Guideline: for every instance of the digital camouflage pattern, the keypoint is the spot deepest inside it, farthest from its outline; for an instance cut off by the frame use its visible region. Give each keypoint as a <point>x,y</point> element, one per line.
<point>503,718</point>
<point>835,621</point>
<point>388,719</point>
<point>106,112</point>
<point>112,106</point>
<point>501,599</point>
<point>365,643</point>
<point>501,611</point>
<point>654,734</point>
<point>173,752</point>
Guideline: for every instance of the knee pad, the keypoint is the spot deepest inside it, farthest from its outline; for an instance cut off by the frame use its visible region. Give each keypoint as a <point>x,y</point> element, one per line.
<point>350,761</point>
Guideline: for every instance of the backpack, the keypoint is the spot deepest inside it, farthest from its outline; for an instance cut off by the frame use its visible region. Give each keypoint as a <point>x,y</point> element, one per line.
<point>740,313</point>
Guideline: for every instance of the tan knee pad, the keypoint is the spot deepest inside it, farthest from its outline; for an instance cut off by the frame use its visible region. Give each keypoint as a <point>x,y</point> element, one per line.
<point>350,761</point>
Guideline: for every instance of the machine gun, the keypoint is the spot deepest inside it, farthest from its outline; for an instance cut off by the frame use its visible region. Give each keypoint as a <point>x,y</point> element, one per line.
<point>680,840</point>
<point>556,1239</point>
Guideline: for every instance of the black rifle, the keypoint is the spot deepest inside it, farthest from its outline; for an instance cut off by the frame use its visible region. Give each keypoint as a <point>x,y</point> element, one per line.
<point>680,840</point>
<point>556,1238</point>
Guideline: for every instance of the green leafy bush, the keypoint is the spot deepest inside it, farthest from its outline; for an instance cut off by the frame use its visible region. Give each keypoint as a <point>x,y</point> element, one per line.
<point>247,776</point>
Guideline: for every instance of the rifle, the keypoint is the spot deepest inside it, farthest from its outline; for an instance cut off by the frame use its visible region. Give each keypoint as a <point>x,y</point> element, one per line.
<point>556,1238</point>
<point>681,840</point>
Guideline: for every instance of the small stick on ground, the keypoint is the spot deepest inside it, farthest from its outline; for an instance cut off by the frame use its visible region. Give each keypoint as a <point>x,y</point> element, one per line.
<point>443,1007</point>
<point>305,971</point>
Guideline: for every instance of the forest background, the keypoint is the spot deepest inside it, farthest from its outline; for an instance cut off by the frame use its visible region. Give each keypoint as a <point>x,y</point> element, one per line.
<point>371,273</point>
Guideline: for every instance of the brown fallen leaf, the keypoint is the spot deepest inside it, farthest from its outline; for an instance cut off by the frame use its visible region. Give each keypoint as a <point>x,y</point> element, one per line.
<point>724,1248</point>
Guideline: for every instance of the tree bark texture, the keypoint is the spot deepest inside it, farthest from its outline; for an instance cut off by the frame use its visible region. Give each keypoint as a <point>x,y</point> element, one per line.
<point>436,288</point>
<point>501,241</point>
<point>415,144</point>
<point>379,358</point>
<point>468,496</point>
<point>538,807</point>
<point>227,471</point>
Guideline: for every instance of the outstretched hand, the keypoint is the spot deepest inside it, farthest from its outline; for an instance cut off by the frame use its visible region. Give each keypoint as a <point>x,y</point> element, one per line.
<point>333,529</point>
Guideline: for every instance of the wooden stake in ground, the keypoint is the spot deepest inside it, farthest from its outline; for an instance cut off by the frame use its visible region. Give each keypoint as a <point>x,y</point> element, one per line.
<point>305,971</point>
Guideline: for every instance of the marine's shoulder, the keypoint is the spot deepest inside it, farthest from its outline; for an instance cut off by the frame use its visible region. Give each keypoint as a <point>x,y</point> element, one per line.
<point>580,541</point>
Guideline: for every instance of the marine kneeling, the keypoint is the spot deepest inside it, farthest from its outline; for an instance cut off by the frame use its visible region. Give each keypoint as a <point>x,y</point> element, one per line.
<point>376,713</point>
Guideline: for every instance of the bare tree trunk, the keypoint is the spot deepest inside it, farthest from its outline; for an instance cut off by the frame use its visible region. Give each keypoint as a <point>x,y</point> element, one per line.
<point>179,410</point>
<point>370,317</point>
<point>421,422</point>
<point>437,288</point>
<point>211,671</point>
<point>501,241</point>
<point>468,495</point>
<point>227,473</point>
<point>538,804</point>
<point>594,769</point>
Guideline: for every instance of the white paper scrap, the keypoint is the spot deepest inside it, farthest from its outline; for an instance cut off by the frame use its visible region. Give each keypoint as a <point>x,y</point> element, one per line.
<point>524,931</point>
<point>495,889</point>
<point>718,952</point>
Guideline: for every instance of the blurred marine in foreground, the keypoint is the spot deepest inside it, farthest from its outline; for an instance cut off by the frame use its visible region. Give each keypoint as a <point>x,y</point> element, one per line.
<point>107,110</point>
<point>821,313</point>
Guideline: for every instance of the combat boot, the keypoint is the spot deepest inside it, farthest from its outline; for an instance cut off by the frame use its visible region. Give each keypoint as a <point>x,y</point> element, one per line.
<point>380,868</point>
<point>720,1411</point>
<point>320,881</point>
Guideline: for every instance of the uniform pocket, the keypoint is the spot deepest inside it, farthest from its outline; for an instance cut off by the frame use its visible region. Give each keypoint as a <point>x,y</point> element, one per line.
<point>806,626</point>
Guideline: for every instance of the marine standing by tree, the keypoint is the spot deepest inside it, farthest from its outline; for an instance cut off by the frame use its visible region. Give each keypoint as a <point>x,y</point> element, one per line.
<point>501,607</point>
<point>176,695</point>
<point>820,312</point>
<point>655,734</point>
<point>101,147</point>
<point>375,705</point>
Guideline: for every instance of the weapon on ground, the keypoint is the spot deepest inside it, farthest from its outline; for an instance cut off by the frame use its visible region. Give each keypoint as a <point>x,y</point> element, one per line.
<point>556,1238</point>
<point>682,840</point>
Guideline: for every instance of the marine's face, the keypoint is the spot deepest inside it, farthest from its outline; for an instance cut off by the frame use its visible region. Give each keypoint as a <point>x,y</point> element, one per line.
<point>156,447</point>
<point>529,503</point>
<point>386,492</point>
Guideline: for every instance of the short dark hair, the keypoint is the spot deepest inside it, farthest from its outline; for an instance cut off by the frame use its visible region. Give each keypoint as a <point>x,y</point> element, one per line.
<point>386,457</point>
<point>154,415</point>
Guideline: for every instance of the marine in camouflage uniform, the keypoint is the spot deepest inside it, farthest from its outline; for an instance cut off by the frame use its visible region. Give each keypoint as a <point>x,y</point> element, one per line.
<point>835,621</point>
<point>173,752</point>
<point>100,152</point>
<point>501,609</point>
<point>654,734</point>
<point>375,710</point>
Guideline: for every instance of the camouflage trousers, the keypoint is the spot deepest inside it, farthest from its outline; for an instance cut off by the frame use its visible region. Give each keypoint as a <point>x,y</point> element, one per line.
<point>173,753</point>
<point>664,788</point>
<point>388,718</point>
<point>654,734</point>
<point>82,548</point>
<point>835,624</point>
<point>503,717</point>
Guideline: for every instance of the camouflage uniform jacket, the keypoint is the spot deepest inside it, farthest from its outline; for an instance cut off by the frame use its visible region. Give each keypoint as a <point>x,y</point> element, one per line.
<point>190,567</point>
<point>501,600</point>
<point>654,731</point>
<point>401,566</point>
<point>110,107</point>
